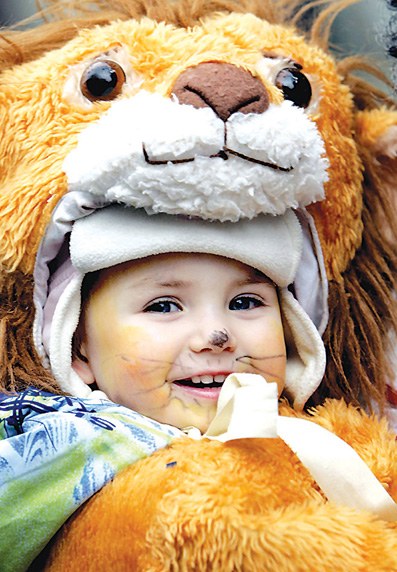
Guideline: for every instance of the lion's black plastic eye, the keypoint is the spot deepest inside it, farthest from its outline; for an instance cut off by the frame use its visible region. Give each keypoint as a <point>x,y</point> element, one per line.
<point>102,81</point>
<point>295,86</point>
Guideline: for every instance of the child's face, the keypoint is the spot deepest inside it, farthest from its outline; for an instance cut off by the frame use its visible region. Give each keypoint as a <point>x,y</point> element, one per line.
<point>162,334</point>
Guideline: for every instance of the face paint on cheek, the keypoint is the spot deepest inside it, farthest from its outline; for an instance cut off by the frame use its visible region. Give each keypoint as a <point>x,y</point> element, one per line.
<point>136,360</point>
<point>138,373</point>
<point>146,372</point>
<point>120,354</point>
<point>119,357</point>
<point>266,353</point>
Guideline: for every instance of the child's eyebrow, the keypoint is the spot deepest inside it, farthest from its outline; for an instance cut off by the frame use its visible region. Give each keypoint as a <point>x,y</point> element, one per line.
<point>239,283</point>
<point>173,284</point>
<point>255,280</point>
<point>158,283</point>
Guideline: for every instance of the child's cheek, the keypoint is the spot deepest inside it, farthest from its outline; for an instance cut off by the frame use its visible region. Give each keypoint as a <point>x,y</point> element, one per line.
<point>265,351</point>
<point>275,336</point>
<point>136,372</point>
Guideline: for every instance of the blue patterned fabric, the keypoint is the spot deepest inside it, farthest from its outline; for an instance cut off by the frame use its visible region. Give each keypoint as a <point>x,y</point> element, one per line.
<point>55,453</point>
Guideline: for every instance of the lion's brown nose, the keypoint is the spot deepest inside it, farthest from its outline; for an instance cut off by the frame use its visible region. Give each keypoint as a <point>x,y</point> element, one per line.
<point>224,87</point>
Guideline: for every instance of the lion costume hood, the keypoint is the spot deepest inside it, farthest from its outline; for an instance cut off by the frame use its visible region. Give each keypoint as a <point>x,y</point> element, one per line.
<point>225,118</point>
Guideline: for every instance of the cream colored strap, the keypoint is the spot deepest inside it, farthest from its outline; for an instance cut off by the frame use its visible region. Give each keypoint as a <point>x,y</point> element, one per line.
<point>248,407</point>
<point>339,471</point>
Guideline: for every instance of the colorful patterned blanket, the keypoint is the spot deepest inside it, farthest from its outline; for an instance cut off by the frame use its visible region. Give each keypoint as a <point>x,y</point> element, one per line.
<point>55,453</point>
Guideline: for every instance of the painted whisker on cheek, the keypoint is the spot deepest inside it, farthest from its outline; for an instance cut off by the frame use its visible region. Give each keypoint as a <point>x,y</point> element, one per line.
<point>147,371</point>
<point>261,370</point>
<point>268,374</point>
<point>151,360</point>
<point>240,359</point>
<point>146,391</point>
<point>137,370</point>
<point>187,407</point>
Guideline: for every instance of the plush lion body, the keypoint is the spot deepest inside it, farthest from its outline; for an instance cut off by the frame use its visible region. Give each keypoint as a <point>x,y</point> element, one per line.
<point>245,505</point>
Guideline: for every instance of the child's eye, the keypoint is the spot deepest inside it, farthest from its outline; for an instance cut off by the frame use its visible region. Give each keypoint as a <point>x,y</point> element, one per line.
<point>245,303</point>
<point>162,307</point>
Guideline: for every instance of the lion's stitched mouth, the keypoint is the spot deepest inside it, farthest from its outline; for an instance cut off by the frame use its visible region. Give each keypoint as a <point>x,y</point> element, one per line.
<point>223,154</point>
<point>258,161</point>
<point>189,163</point>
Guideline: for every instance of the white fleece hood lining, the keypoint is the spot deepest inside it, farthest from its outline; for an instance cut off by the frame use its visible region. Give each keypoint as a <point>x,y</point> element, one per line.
<point>306,362</point>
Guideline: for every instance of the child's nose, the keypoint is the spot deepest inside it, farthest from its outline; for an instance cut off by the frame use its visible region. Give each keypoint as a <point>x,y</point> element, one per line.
<point>214,339</point>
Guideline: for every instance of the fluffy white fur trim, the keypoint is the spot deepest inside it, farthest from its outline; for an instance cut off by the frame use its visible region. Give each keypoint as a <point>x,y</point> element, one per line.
<point>151,152</point>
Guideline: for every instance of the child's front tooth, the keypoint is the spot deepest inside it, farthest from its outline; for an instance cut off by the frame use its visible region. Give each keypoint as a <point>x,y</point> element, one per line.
<point>207,379</point>
<point>196,379</point>
<point>220,378</point>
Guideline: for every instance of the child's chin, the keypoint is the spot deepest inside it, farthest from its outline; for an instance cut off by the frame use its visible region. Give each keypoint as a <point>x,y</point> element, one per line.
<point>200,422</point>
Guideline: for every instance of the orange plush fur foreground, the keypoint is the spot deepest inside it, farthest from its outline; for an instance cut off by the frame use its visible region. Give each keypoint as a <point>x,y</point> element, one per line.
<point>246,505</point>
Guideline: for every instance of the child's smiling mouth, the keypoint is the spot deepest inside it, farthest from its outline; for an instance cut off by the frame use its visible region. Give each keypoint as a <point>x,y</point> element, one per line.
<point>205,381</point>
<point>205,386</point>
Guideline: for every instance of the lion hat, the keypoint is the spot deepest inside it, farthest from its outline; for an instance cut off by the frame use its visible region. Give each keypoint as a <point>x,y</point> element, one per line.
<point>218,112</point>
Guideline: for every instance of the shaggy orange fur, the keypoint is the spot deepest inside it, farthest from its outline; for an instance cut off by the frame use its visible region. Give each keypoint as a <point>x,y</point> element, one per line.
<point>241,506</point>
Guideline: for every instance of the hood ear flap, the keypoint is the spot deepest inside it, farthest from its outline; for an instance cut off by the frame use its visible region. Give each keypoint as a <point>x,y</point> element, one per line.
<point>305,351</point>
